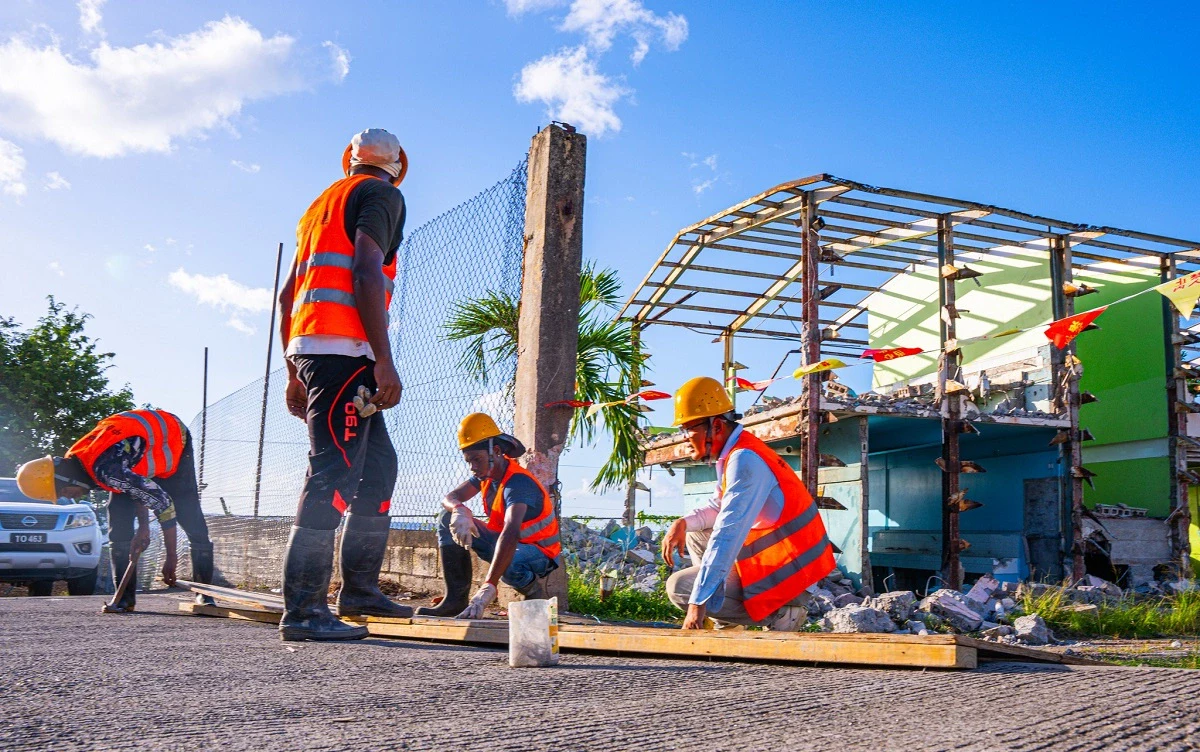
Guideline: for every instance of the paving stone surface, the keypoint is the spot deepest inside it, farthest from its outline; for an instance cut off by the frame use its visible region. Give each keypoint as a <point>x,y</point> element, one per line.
<point>75,680</point>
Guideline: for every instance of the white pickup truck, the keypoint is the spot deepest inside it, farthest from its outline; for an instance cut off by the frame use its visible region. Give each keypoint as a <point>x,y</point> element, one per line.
<point>42,542</point>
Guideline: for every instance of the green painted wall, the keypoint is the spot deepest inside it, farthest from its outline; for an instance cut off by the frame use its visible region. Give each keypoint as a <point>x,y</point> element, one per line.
<point>1194,532</point>
<point>1138,483</point>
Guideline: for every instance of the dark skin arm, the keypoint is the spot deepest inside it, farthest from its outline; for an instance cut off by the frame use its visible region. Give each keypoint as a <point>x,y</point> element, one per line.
<point>295,395</point>
<point>370,296</point>
<point>506,546</point>
<point>463,493</point>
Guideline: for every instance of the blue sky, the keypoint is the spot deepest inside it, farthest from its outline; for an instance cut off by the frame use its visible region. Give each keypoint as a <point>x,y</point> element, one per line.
<point>141,140</point>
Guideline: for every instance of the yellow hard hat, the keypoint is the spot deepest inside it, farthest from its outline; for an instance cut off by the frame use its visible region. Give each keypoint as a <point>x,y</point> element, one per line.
<point>701,397</point>
<point>475,428</point>
<point>36,479</point>
<point>478,427</point>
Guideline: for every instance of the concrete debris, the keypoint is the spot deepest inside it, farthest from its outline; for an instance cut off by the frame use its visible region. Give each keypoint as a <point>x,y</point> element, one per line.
<point>847,599</point>
<point>898,604</point>
<point>953,607</point>
<point>1032,630</point>
<point>982,591</point>
<point>916,627</point>
<point>995,633</point>
<point>855,619</point>
<point>609,529</point>
<point>1103,586</point>
<point>1085,608</point>
<point>640,556</point>
<point>645,534</point>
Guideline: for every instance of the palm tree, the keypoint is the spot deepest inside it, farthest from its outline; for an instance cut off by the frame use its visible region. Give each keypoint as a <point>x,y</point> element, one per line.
<point>607,362</point>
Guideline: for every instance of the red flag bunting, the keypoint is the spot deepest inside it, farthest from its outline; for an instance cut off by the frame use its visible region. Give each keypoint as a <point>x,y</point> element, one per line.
<point>891,353</point>
<point>1061,332</point>
<point>753,386</point>
<point>650,395</point>
<point>568,403</point>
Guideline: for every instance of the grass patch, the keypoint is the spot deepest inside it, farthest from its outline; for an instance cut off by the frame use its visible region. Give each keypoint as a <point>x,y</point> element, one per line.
<point>625,603</point>
<point>1191,661</point>
<point>1126,618</point>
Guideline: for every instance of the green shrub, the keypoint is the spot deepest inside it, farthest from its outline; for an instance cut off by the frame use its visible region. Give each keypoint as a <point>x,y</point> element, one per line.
<point>1129,617</point>
<point>625,603</point>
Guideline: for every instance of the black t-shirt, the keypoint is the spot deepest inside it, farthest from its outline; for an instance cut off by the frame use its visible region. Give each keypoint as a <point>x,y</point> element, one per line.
<point>377,208</point>
<point>520,489</point>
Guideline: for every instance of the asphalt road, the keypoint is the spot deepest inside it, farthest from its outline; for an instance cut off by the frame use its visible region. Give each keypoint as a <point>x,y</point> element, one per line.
<point>75,680</point>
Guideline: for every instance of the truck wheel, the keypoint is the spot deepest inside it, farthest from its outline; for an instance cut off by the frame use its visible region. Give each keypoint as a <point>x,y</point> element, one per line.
<point>41,587</point>
<point>85,585</point>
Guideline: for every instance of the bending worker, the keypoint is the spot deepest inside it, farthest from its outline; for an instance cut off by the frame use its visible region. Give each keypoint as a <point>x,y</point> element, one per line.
<point>520,535</point>
<point>144,459</point>
<point>333,323</point>
<point>759,543</point>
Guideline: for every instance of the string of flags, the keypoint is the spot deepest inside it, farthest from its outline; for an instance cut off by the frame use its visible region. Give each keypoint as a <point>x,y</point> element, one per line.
<point>1183,293</point>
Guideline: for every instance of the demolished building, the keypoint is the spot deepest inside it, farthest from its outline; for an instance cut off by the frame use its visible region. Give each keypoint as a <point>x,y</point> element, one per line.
<point>984,448</point>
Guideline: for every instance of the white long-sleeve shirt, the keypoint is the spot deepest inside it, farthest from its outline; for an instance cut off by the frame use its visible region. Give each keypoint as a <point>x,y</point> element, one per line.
<point>750,499</point>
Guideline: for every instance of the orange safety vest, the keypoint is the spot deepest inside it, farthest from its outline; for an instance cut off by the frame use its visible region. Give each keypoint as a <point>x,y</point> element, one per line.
<point>541,531</point>
<point>778,563</point>
<point>164,433</point>
<point>323,299</point>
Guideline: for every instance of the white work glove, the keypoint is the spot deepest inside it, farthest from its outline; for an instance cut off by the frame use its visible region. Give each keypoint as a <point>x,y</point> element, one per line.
<point>362,402</point>
<point>462,526</point>
<point>482,599</point>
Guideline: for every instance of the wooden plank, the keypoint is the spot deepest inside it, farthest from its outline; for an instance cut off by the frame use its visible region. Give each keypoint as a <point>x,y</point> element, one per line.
<point>999,651</point>
<point>827,649</point>
<point>261,600</point>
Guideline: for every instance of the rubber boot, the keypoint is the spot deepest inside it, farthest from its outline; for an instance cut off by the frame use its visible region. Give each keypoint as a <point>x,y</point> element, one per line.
<point>456,570</point>
<point>364,544</point>
<point>120,562</point>
<point>202,570</point>
<point>536,590</point>
<point>307,567</point>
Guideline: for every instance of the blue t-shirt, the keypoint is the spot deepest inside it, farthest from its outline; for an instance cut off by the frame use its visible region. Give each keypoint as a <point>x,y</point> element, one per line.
<point>520,489</point>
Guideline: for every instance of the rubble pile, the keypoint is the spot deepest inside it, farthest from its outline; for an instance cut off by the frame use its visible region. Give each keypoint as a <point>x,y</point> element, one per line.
<point>595,552</point>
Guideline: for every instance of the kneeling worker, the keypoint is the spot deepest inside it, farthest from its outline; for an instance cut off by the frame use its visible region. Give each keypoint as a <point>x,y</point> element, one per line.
<point>144,459</point>
<point>519,536</point>
<point>759,542</point>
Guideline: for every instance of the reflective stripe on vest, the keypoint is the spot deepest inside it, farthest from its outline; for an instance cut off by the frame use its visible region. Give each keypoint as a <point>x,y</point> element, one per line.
<point>323,287</point>
<point>541,531</point>
<point>778,563</point>
<point>164,436</point>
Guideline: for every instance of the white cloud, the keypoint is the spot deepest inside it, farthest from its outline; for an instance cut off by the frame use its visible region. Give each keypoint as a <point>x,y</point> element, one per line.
<point>601,20</point>
<point>56,267</point>
<point>340,59</point>
<point>142,98</point>
<point>573,90</point>
<point>150,248</point>
<point>89,15</point>
<point>170,241</point>
<point>235,322</point>
<point>12,169</point>
<point>700,186</point>
<point>221,292</point>
<point>245,167</point>
<point>55,182</point>
<point>517,7</point>
<point>711,162</point>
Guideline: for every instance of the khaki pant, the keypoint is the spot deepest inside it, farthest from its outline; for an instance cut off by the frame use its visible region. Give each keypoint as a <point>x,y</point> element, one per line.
<point>732,611</point>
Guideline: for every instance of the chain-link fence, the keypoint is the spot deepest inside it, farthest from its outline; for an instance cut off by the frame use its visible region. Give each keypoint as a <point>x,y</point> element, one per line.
<point>471,250</point>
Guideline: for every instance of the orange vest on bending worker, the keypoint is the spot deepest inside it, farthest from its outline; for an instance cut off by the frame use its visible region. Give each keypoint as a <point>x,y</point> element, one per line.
<point>323,299</point>
<point>164,433</point>
<point>778,563</point>
<point>542,531</point>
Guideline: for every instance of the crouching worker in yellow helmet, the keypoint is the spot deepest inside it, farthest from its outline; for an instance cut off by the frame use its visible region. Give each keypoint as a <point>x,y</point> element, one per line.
<point>144,459</point>
<point>759,543</point>
<point>519,535</point>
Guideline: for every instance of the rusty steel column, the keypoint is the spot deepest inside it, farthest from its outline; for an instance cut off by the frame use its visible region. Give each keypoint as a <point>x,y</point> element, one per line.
<point>548,329</point>
<point>868,579</point>
<point>1071,371</point>
<point>1177,416</point>
<point>811,345</point>
<point>951,409</point>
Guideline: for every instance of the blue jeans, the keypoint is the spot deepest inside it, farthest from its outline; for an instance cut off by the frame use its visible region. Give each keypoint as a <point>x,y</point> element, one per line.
<point>528,562</point>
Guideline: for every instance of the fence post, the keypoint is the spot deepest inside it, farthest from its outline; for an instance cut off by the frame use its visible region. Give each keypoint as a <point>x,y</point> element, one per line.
<point>262,421</point>
<point>548,330</point>
<point>203,424</point>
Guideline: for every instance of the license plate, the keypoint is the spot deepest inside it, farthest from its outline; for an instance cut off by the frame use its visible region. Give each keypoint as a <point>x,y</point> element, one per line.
<point>28,538</point>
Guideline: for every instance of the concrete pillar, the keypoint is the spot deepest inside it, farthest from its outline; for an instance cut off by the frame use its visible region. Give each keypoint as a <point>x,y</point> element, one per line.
<point>548,330</point>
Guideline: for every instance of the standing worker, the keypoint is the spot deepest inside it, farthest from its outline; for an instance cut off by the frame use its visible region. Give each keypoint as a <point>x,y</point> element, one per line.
<point>333,323</point>
<point>144,459</point>
<point>759,543</point>
<point>520,535</point>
